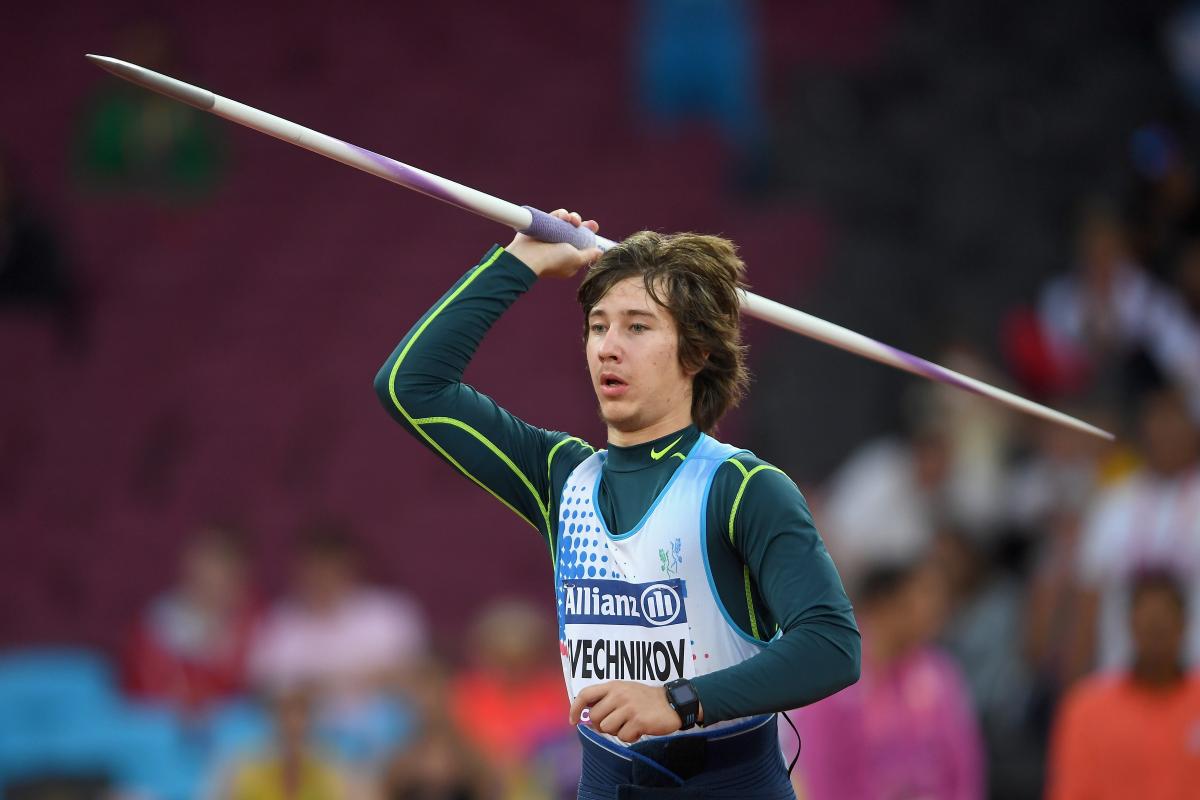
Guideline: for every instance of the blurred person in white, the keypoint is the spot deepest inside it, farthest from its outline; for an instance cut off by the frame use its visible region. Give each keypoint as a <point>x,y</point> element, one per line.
<point>906,730</point>
<point>353,643</point>
<point>292,767</point>
<point>1135,733</point>
<point>1050,492</point>
<point>1150,520</point>
<point>1108,307</point>
<point>888,499</point>
<point>189,647</point>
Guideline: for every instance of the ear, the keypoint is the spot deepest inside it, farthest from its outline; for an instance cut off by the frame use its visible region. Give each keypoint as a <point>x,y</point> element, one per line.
<point>692,372</point>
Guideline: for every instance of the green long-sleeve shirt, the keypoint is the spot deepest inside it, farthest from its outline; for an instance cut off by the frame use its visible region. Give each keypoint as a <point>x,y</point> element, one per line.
<point>769,565</point>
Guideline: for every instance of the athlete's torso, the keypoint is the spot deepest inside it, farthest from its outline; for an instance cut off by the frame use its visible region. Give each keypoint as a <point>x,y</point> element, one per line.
<point>640,605</point>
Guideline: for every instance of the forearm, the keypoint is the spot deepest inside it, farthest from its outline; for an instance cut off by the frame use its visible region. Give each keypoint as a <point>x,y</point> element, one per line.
<point>801,667</point>
<point>766,524</point>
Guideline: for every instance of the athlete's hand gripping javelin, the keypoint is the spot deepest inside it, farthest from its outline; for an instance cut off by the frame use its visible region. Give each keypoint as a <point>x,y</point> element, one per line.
<point>555,259</point>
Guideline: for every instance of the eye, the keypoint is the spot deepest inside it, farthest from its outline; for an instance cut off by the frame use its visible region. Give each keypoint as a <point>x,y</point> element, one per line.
<point>639,327</point>
<point>596,328</point>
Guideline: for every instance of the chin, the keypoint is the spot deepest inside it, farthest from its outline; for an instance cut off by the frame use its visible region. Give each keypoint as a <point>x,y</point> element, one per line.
<point>624,422</point>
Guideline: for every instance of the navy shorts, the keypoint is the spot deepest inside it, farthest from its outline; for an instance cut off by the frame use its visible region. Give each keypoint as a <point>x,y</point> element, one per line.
<point>737,763</point>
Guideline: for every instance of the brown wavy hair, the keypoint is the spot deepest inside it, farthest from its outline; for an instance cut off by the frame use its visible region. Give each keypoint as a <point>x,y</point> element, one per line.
<point>696,278</point>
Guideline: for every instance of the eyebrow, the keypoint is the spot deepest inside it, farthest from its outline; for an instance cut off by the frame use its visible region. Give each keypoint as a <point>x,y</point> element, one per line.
<point>632,312</point>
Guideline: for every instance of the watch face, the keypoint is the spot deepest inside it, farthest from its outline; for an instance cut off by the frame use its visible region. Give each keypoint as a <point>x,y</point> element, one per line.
<point>684,694</point>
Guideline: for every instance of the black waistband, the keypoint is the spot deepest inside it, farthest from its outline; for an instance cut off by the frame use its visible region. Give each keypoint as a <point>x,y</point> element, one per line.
<point>674,759</point>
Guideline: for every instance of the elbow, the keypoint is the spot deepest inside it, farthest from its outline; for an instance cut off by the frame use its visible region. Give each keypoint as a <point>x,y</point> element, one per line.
<point>383,384</point>
<point>395,389</point>
<point>847,668</point>
<point>853,670</point>
<point>851,652</point>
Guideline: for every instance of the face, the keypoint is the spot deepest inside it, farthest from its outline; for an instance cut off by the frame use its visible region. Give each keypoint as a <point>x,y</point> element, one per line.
<point>633,360</point>
<point>214,576</point>
<point>923,600</point>
<point>1170,438</point>
<point>322,580</point>
<point>1157,625</point>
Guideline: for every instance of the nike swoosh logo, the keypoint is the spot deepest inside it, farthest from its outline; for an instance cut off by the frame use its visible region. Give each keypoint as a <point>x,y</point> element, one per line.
<point>657,454</point>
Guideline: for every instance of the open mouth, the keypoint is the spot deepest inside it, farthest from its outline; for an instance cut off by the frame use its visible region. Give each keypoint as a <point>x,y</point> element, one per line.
<point>611,385</point>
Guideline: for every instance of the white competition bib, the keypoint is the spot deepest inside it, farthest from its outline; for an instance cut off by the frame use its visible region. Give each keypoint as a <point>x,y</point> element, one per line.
<point>620,631</point>
<point>640,605</point>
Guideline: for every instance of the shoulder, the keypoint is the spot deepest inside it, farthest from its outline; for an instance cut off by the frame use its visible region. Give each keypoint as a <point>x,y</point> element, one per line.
<point>565,452</point>
<point>746,475</point>
<point>1093,696</point>
<point>1109,517</point>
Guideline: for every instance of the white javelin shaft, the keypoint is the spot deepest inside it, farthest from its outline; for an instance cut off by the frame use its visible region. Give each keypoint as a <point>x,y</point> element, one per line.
<point>522,218</point>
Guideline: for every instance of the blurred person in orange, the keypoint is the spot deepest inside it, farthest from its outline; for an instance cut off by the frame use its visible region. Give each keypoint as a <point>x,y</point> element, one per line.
<point>293,768</point>
<point>191,644</point>
<point>1151,520</point>
<point>906,729</point>
<point>510,703</point>
<point>1135,733</point>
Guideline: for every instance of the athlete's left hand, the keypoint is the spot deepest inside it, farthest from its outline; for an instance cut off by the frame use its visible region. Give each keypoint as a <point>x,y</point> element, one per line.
<point>626,709</point>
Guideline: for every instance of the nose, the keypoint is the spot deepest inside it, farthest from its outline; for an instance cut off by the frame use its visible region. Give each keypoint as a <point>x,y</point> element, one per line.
<point>610,347</point>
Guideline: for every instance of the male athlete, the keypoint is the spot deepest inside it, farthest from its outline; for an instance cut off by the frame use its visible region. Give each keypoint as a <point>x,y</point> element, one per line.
<point>695,597</point>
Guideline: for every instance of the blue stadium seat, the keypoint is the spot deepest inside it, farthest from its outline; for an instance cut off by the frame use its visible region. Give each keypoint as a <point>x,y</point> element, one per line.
<point>55,707</point>
<point>237,728</point>
<point>152,754</point>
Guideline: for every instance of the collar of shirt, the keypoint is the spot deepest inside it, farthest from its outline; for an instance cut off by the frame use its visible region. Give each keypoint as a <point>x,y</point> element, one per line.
<point>652,454</point>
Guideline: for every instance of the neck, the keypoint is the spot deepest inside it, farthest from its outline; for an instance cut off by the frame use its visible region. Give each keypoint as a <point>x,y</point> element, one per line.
<point>1157,675</point>
<point>668,424</point>
<point>884,647</point>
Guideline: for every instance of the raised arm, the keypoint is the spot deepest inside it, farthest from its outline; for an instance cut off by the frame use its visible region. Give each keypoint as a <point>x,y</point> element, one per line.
<point>421,385</point>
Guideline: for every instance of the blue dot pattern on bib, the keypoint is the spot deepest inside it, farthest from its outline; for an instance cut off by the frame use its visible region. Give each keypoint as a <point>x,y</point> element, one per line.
<point>582,546</point>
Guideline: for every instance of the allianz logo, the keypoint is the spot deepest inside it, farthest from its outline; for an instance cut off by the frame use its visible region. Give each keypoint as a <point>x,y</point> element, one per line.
<point>657,604</point>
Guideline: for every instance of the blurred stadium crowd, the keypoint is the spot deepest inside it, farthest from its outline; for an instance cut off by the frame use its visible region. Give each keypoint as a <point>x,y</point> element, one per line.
<point>1014,192</point>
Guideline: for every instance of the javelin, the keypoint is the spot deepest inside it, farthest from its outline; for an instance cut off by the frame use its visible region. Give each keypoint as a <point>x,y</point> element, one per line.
<point>541,225</point>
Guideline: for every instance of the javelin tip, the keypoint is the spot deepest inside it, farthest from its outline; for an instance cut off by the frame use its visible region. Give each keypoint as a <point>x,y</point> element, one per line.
<point>176,90</point>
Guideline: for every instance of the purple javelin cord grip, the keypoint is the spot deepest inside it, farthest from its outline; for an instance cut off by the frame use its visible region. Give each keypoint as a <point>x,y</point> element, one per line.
<point>553,229</point>
<point>931,370</point>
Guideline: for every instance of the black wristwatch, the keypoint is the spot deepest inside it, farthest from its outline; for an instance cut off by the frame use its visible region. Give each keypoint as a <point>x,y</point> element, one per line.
<point>682,697</point>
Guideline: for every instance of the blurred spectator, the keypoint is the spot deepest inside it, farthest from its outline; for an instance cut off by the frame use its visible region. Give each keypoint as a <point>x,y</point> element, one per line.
<point>885,503</point>
<point>1135,733</point>
<point>984,634</point>
<point>1183,50</point>
<point>352,644</point>
<point>1108,309</point>
<point>1150,520</point>
<point>1164,207</point>
<point>191,645</point>
<point>698,60</point>
<point>510,703</point>
<point>905,730</point>
<point>33,273</point>
<point>335,632</point>
<point>1187,276</point>
<point>293,768</point>
<point>440,764</point>
<point>135,140</point>
<point>1050,492</point>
